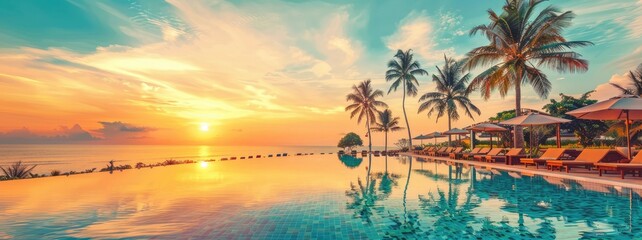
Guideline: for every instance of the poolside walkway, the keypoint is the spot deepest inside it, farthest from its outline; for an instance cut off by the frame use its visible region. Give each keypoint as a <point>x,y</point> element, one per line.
<point>577,174</point>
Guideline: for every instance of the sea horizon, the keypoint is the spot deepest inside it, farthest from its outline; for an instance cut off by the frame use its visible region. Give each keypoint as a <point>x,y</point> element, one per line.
<point>80,157</point>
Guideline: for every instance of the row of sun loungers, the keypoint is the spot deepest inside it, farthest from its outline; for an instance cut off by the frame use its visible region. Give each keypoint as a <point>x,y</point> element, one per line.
<point>603,160</point>
<point>376,153</point>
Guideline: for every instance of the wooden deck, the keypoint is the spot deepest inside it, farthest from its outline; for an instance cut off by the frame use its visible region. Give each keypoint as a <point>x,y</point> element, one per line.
<point>585,175</point>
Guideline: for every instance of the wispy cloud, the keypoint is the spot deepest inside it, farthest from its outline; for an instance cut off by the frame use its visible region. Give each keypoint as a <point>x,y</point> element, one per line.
<point>416,31</point>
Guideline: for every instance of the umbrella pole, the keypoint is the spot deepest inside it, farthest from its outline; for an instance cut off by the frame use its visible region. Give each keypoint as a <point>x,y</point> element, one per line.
<point>531,139</point>
<point>628,136</point>
<point>491,140</point>
<point>559,136</point>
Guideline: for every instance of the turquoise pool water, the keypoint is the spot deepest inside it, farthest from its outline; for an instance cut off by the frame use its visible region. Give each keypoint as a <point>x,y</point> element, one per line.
<point>316,197</point>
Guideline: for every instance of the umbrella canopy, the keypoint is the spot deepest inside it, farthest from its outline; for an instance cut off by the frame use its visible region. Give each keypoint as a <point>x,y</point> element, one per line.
<point>421,137</point>
<point>624,107</point>
<point>487,127</point>
<point>435,135</point>
<point>455,131</point>
<point>535,119</point>
<point>612,109</point>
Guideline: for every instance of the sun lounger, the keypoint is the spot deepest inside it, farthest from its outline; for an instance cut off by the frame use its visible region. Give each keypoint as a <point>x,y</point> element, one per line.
<point>481,152</point>
<point>457,152</point>
<point>512,153</point>
<point>549,154</point>
<point>445,152</point>
<point>634,166</point>
<point>463,154</point>
<point>492,152</point>
<point>426,150</point>
<point>432,153</point>
<point>587,159</point>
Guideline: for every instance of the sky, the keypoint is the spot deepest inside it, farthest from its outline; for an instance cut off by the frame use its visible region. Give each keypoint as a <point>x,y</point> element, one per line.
<point>256,72</point>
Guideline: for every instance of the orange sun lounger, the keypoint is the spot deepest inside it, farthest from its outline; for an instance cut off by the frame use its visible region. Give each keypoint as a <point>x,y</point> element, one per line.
<point>633,167</point>
<point>513,152</point>
<point>492,152</point>
<point>587,159</point>
<point>549,154</point>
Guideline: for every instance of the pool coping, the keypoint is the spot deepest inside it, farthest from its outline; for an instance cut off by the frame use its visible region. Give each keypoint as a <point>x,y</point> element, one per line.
<point>540,172</point>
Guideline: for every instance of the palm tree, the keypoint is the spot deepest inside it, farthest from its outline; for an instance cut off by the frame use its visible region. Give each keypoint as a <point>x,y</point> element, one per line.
<point>364,104</point>
<point>636,81</point>
<point>386,124</point>
<point>451,92</point>
<point>402,70</point>
<point>520,41</point>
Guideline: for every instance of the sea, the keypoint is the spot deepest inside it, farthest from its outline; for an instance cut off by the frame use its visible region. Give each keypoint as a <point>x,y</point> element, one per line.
<point>78,158</point>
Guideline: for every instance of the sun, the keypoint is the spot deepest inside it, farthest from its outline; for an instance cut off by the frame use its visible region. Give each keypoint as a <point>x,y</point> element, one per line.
<point>204,127</point>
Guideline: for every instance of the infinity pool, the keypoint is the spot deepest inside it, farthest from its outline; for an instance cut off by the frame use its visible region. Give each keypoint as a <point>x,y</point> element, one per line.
<point>316,197</point>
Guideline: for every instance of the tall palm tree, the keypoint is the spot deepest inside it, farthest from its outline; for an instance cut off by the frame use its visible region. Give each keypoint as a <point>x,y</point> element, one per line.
<point>364,104</point>
<point>635,78</point>
<point>520,41</point>
<point>451,93</point>
<point>386,123</point>
<point>402,70</point>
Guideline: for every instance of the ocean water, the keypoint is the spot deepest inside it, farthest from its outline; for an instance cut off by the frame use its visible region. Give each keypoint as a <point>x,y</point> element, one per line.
<point>81,157</point>
<point>316,197</point>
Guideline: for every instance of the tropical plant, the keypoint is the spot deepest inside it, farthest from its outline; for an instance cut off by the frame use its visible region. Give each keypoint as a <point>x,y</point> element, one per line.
<point>386,123</point>
<point>585,130</point>
<point>635,86</point>
<point>364,104</point>
<point>403,144</point>
<point>55,172</point>
<point>402,70</point>
<point>521,40</point>
<point>17,170</point>
<point>349,141</point>
<point>451,93</point>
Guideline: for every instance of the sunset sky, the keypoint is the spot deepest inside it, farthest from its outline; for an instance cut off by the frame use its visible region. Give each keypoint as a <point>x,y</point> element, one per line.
<point>254,73</point>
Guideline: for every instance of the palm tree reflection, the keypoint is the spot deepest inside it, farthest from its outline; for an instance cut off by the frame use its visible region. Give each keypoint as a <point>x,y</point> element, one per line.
<point>408,224</point>
<point>364,197</point>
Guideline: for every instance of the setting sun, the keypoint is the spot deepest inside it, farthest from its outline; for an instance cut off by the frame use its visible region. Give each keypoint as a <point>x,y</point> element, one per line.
<point>204,127</point>
<point>325,119</point>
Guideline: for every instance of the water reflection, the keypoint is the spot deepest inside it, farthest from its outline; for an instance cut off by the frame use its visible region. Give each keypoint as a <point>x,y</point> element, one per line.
<point>316,197</point>
<point>465,202</point>
<point>349,160</point>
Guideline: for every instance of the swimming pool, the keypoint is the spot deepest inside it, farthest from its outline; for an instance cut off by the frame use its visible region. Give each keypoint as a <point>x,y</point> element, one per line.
<point>318,196</point>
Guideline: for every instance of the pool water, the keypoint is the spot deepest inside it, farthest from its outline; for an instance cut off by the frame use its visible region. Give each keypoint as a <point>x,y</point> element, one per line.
<point>316,197</point>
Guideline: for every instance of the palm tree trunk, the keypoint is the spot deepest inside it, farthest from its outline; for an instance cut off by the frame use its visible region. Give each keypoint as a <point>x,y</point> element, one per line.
<point>518,137</point>
<point>385,149</point>
<point>403,106</point>
<point>369,135</point>
<point>385,146</point>
<point>449,136</point>
<point>405,191</point>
